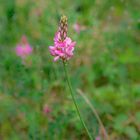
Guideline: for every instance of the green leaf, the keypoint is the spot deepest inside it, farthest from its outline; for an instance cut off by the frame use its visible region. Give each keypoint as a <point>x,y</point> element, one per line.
<point>131,132</point>
<point>137,116</point>
<point>119,122</point>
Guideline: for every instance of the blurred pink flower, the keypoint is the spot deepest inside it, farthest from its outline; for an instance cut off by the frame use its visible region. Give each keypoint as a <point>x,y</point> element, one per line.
<point>77,27</point>
<point>98,138</point>
<point>46,109</point>
<point>23,49</point>
<point>62,49</point>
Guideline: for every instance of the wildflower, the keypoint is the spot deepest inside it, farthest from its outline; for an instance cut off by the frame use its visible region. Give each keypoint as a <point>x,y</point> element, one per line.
<point>63,46</point>
<point>78,28</point>
<point>46,109</point>
<point>23,49</point>
<point>98,138</point>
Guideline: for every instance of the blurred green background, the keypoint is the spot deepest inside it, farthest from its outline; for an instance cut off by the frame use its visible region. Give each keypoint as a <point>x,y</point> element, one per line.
<point>105,67</point>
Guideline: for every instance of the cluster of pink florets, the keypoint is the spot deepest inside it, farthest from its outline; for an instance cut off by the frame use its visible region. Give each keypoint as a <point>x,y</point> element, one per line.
<point>62,49</point>
<point>63,46</point>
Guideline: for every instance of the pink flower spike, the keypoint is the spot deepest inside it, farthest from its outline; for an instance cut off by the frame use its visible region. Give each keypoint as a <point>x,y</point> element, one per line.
<point>63,46</point>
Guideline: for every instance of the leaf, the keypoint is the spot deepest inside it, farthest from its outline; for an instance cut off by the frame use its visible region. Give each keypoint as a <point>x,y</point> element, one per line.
<point>119,122</point>
<point>137,116</point>
<point>131,132</point>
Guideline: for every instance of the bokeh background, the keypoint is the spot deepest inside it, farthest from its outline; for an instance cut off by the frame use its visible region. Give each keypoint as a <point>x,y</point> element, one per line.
<point>35,102</point>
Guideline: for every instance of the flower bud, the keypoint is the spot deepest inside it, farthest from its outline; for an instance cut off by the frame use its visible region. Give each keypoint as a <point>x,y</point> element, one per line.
<point>63,28</point>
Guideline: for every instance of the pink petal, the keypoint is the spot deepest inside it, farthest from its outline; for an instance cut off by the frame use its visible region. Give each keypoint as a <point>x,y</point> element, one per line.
<point>51,47</point>
<point>56,58</point>
<point>52,52</point>
<point>68,40</point>
<point>73,44</point>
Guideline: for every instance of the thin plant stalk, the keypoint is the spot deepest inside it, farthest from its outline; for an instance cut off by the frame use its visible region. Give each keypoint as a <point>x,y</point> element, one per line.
<point>74,100</point>
<point>95,113</point>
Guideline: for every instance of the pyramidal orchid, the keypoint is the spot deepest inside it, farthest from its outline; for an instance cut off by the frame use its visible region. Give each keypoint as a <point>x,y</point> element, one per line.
<point>63,49</point>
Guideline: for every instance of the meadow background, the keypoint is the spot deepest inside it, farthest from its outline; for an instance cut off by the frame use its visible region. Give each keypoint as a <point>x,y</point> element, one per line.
<point>105,68</point>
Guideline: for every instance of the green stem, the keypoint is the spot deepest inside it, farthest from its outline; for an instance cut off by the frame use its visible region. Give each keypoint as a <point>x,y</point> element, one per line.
<point>74,100</point>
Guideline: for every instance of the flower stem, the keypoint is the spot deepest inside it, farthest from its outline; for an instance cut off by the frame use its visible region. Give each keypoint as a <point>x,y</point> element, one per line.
<point>74,100</point>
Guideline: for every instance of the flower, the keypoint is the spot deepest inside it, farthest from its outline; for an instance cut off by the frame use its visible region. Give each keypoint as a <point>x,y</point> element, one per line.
<point>77,27</point>
<point>63,46</point>
<point>62,49</point>
<point>46,109</point>
<point>98,138</point>
<point>23,49</point>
